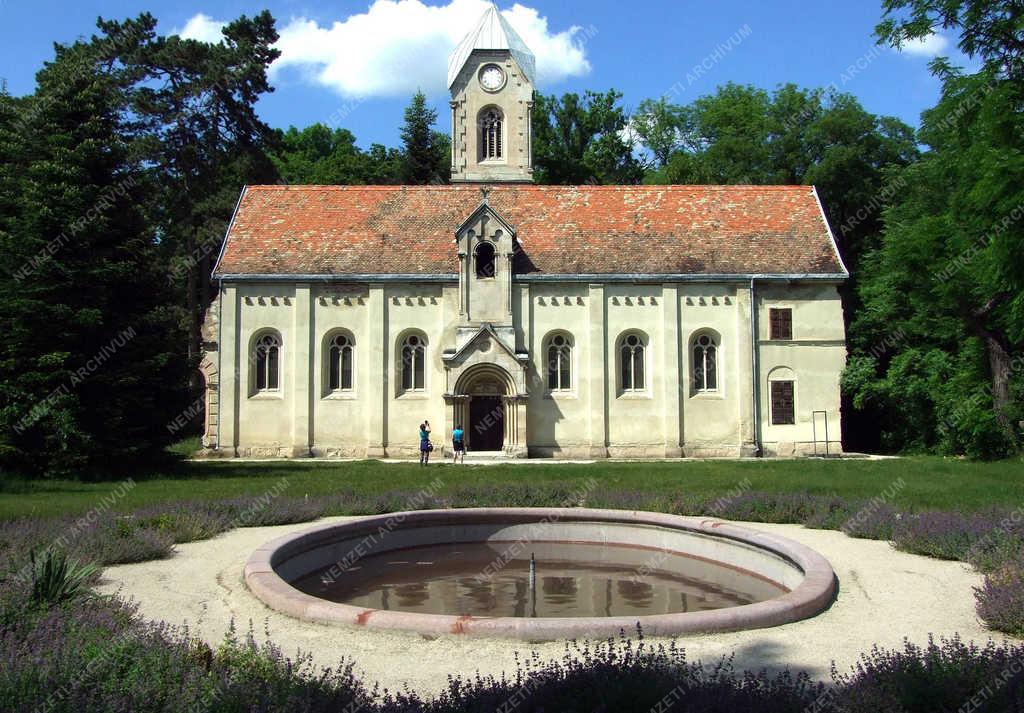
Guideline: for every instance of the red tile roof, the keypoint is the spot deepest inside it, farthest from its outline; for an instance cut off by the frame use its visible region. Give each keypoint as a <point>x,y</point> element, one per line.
<point>338,230</point>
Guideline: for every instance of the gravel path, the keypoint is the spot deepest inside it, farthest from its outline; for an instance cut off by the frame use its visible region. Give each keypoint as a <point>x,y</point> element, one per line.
<point>884,595</point>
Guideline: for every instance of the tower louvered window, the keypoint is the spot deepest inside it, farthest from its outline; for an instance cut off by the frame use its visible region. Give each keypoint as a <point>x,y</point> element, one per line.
<point>491,135</point>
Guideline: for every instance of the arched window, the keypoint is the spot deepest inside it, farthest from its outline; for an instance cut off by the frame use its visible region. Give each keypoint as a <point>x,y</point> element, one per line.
<point>631,362</point>
<point>490,134</point>
<point>414,358</point>
<point>485,260</point>
<point>559,363</point>
<point>782,393</point>
<point>266,361</point>
<point>705,363</point>
<point>340,357</point>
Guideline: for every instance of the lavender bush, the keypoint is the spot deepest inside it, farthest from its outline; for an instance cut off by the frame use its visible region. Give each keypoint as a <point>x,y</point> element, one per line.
<point>988,540</point>
<point>945,676</point>
<point>1000,600</point>
<point>281,510</point>
<point>183,521</point>
<point>1002,544</point>
<point>113,540</point>
<point>101,657</point>
<point>803,508</point>
<point>872,521</point>
<point>945,535</point>
<point>618,675</point>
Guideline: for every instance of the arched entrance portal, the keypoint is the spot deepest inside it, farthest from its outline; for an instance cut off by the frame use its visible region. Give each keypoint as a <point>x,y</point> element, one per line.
<point>485,406</point>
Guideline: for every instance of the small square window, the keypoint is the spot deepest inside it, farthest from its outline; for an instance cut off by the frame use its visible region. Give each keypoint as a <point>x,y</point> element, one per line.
<point>780,323</point>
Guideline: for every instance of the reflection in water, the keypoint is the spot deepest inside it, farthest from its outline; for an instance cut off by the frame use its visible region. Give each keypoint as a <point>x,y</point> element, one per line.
<point>411,595</point>
<point>559,590</point>
<point>635,592</point>
<point>573,579</point>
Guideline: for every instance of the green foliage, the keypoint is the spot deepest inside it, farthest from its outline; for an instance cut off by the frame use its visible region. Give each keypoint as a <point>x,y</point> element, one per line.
<point>57,579</point>
<point>989,29</point>
<point>949,277</point>
<point>195,104</point>
<point>744,135</point>
<point>91,368</point>
<point>318,155</point>
<point>659,126</point>
<point>427,153</point>
<point>580,140</point>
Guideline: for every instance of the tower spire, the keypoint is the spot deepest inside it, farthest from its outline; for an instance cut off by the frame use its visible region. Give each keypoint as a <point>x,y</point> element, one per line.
<point>492,32</point>
<point>491,80</point>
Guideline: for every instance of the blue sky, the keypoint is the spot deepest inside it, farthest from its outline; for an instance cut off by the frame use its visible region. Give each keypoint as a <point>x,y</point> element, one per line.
<point>354,64</point>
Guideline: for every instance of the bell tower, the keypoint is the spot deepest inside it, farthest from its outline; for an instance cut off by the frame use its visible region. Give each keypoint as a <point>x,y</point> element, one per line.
<point>491,76</point>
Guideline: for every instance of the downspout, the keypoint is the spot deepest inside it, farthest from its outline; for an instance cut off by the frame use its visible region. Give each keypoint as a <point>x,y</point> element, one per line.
<point>220,357</point>
<point>755,375</point>
<point>220,316</point>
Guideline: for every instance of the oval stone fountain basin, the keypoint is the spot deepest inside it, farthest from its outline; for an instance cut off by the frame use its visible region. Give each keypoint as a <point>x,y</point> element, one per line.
<point>594,573</point>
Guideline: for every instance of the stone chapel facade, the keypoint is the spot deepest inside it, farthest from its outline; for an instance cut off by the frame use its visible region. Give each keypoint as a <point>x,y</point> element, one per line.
<point>549,321</point>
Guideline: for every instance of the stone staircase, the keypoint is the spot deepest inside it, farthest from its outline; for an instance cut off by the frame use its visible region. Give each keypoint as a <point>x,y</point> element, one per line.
<point>479,456</point>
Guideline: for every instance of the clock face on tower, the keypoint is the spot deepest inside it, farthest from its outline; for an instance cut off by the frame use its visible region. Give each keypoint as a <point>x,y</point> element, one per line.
<point>492,77</point>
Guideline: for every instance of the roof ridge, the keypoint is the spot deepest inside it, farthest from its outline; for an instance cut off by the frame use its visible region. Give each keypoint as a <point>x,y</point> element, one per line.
<point>529,187</point>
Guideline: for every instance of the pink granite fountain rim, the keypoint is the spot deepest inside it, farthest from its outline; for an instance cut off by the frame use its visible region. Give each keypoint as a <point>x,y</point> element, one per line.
<point>813,594</point>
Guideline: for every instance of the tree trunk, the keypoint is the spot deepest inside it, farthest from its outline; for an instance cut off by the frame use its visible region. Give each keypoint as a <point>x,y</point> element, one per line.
<point>997,348</point>
<point>193,301</point>
<point>205,292</point>
<point>999,359</point>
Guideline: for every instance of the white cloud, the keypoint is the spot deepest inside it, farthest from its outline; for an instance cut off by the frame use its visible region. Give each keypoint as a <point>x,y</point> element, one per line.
<point>398,46</point>
<point>930,46</point>
<point>202,27</point>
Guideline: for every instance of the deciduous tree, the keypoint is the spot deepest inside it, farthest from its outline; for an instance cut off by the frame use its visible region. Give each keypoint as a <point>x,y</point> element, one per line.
<point>582,140</point>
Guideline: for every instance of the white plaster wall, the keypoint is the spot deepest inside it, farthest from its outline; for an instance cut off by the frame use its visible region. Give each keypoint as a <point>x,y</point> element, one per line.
<point>265,420</point>
<point>635,422</point>
<point>816,355</point>
<point>712,423</point>
<point>594,419</point>
<point>415,308</point>
<point>339,419</point>
<point>558,422</point>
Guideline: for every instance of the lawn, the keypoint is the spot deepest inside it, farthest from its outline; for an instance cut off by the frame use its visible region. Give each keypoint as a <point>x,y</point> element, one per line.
<point>927,482</point>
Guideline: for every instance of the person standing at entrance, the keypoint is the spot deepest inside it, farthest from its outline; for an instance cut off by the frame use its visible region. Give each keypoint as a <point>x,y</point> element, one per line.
<point>458,444</point>
<point>425,445</point>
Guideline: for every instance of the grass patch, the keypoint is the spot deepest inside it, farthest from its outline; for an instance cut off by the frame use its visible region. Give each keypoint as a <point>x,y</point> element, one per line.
<point>928,482</point>
<point>891,500</point>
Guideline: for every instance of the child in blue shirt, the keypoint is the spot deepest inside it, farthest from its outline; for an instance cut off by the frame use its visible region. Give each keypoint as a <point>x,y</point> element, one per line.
<point>458,445</point>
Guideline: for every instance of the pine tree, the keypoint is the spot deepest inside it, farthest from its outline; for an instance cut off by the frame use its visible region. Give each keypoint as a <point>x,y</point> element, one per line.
<point>91,367</point>
<point>426,153</point>
<point>196,102</point>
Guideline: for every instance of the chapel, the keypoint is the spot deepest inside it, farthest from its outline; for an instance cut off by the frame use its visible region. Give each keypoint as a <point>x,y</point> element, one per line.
<point>548,321</point>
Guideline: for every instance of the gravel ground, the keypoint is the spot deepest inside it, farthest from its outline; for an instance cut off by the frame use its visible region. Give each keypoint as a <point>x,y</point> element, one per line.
<point>884,596</point>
